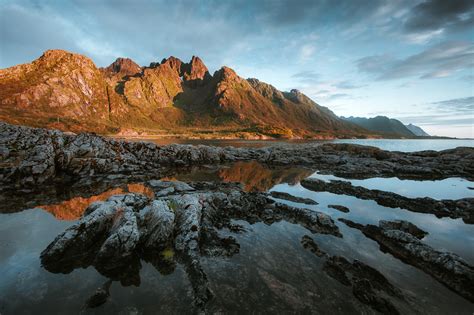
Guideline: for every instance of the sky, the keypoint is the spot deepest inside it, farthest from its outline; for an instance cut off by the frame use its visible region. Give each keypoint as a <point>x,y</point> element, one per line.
<point>407,59</point>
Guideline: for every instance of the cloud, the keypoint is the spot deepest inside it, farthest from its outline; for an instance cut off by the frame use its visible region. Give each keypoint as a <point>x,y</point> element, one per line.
<point>306,76</point>
<point>435,15</point>
<point>338,96</point>
<point>348,85</point>
<point>450,112</point>
<point>460,106</point>
<point>22,29</point>
<point>438,61</point>
<point>307,51</point>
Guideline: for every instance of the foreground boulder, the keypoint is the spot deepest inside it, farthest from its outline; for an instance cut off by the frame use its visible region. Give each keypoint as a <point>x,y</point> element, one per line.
<point>114,235</point>
<point>402,240</point>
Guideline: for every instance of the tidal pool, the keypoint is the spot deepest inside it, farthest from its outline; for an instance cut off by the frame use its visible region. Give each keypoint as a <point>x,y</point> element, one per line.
<point>272,273</point>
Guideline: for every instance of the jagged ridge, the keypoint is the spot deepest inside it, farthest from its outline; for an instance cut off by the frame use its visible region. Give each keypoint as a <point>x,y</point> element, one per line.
<point>67,91</point>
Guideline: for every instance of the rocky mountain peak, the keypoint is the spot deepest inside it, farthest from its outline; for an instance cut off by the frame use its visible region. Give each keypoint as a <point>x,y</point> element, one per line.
<point>225,73</point>
<point>54,57</point>
<point>195,70</point>
<point>54,53</point>
<point>124,66</point>
<point>67,91</point>
<point>174,63</point>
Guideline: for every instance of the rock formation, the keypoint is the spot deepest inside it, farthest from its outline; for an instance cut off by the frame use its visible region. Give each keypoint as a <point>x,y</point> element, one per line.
<point>462,208</point>
<point>402,240</point>
<point>31,156</point>
<point>67,91</point>
<point>113,235</point>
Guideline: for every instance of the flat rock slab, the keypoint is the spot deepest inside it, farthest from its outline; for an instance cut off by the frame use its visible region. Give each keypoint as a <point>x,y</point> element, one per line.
<point>402,241</point>
<point>289,197</point>
<point>339,207</point>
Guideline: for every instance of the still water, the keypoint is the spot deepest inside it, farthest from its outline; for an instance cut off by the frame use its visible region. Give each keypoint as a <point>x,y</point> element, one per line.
<point>272,273</point>
<point>404,145</point>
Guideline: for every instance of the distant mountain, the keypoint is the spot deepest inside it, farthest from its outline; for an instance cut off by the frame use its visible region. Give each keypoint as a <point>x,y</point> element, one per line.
<point>383,125</point>
<point>417,131</point>
<point>67,91</point>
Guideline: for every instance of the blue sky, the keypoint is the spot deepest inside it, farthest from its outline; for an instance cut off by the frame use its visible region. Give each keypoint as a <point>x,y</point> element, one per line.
<point>410,60</point>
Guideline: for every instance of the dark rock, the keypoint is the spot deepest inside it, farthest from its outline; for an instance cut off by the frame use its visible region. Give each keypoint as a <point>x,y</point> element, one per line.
<point>404,226</point>
<point>100,296</point>
<point>36,156</point>
<point>340,208</point>
<point>309,244</point>
<point>448,268</point>
<point>180,227</point>
<point>462,208</point>
<point>368,285</point>
<point>287,196</point>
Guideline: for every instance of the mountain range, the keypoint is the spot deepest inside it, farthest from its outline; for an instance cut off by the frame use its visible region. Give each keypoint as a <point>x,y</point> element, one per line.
<point>388,127</point>
<point>67,91</point>
<point>417,131</point>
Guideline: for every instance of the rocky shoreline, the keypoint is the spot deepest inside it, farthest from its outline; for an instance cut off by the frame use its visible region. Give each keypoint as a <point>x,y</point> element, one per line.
<point>462,208</point>
<point>182,222</point>
<point>113,235</point>
<point>34,156</point>
<point>170,223</point>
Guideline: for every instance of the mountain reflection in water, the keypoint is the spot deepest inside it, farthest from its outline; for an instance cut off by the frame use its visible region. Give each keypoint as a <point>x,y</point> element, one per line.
<point>71,203</point>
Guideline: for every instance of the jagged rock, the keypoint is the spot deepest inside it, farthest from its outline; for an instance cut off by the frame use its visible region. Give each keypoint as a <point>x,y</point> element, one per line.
<point>67,91</point>
<point>403,226</point>
<point>368,285</point>
<point>448,268</point>
<point>100,296</point>
<point>37,156</point>
<point>157,222</point>
<point>113,235</point>
<point>122,67</point>
<point>195,73</point>
<point>308,243</point>
<point>287,196</point>
<point>462,208</point>
<point>107,234</point>
<point>176,185</point>
<point>314,221</point>
<point>339,207</point>
<point>121,243</point>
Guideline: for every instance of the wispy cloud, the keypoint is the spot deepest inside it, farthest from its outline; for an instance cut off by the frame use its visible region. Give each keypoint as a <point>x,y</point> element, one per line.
<point>441,60</point>
<point>308,75</point>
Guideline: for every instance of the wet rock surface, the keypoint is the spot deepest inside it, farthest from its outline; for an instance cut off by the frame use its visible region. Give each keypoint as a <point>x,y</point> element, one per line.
<point>184,227</point>
<point>32,156</point>
<point>462,208</point>
<point>402,240</point>
<point>369,286</point>
<point>113,235</point>
<point>340,208</point>
<point>309,244</point>
<point>289,197</point>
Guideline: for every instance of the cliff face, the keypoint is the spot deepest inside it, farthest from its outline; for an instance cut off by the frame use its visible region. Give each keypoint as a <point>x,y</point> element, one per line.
<point>60,89</point>
<point>67,91</point>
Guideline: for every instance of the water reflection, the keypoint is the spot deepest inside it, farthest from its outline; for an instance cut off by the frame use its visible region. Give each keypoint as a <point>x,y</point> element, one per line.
<point>272,272</point>
<point>74,208</point>
<point>257,177</point>
<point>404,145</point>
